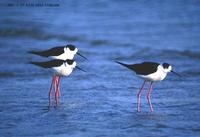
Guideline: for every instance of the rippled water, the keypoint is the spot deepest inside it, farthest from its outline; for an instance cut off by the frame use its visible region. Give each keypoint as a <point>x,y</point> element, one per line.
<point>103,101</point>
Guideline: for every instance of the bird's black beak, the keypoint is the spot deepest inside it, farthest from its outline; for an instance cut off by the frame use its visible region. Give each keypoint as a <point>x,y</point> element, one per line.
<point>82,56</point>
<point>80,69</point>
<point>176,73</point>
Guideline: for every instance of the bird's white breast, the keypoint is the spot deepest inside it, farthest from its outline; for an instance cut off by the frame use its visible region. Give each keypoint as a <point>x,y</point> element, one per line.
<point>62,70</point>
<point>64,56</point>
<point>159,75</point>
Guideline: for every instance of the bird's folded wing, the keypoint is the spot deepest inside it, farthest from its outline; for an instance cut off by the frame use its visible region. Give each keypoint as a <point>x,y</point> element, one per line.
<point>49,64</point>
<point>56,51</point>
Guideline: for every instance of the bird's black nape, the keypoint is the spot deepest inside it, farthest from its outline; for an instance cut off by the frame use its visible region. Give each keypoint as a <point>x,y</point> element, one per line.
<point>71,47</point>
<point>165,65</point>
<point>69,61</point>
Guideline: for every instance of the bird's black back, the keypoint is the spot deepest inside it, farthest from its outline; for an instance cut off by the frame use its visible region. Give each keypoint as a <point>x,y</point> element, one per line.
<point>56,51</point>
<point>144,68</point>
<point>49,64</point>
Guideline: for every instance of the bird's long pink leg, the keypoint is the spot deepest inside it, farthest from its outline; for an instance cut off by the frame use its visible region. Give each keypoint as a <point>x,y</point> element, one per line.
<point>55,86</point>
<point>59,94</point>
<point>50,92</point>
<point>57,82</point>
<point>149,96</point>
<point>139,94</point>
<point>56,90</point>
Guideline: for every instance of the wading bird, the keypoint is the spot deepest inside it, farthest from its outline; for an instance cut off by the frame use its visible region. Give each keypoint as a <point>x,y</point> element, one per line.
<point>149,71</point>
<point>61,53</point>
<point>58,68</point>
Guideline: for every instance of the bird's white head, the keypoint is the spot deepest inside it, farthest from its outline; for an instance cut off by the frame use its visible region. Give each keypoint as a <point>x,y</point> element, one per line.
<point>166,67</point>
<point>70,63</point>
<point>71,49</point>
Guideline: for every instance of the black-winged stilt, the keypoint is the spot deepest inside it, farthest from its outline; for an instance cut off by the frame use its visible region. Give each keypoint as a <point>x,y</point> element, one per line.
<point>149,71</point>
<point>62,52</point>
<point>58,68</point>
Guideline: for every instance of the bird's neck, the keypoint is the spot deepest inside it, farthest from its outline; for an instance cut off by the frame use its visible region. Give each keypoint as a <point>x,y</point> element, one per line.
<point>162,72</point>
<point>69,54</point>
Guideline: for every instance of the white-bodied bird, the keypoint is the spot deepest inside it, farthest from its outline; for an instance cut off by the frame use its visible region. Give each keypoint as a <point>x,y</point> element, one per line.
<point>62,52</point>
<point>58,68</point>
<point>149,71</point>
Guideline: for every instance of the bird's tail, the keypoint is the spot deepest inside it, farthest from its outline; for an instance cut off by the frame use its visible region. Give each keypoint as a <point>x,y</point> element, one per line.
<point>40,64</point>
<point>40,53</point>
<point>33,52</point>
<point>126,65</point>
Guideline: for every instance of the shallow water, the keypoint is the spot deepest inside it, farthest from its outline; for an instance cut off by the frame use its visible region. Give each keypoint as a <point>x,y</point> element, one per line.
<point>103,101</point>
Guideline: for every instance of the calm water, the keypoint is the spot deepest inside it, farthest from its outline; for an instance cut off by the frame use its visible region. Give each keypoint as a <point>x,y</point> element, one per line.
<point>103,101</point>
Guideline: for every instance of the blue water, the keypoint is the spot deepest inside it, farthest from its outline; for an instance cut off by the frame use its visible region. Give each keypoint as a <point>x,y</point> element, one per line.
<point>103,101</point>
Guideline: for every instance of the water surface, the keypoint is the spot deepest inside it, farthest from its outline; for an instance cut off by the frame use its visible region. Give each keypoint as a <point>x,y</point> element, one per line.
<point>103,101</point>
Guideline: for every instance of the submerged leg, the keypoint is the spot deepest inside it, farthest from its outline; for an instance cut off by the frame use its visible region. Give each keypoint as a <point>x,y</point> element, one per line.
<point>50,92</point>
<point>149,97</point>
<point>56,90</point>
<point>59,94</point>
<point>139,94</point>
<point>55,86</point>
